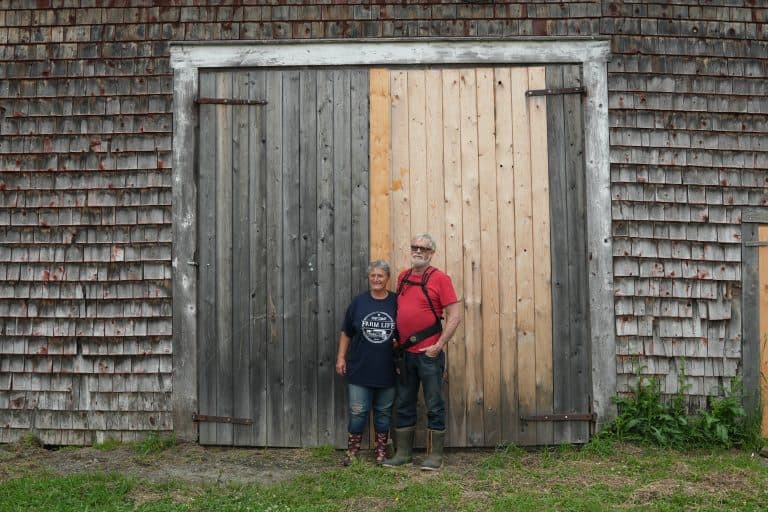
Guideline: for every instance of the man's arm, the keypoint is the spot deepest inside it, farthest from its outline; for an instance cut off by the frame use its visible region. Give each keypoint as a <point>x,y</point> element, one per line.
<point>452,314</point>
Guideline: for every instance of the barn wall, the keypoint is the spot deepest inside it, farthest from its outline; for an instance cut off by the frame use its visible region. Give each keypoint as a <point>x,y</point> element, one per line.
<point>689,116</point>
<point>85,184</point>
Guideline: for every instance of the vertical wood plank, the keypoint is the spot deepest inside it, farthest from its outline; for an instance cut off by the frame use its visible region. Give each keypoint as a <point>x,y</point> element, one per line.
<point>456,352</point>
<point>241,257</point>
<point>561,291</point>
<point>435,180</point>
<point>472,276</point>
<point>505,180</point>
<point>308,255</point>
<point>359,154</point>
<point>225,404</point>
<point>276,434</point>
<point>489,256</point>
<point>342,180</point>
<point>327,327</point>
<point>417,151</point>
<point>579,359</point>
<point>380,180</point>
<point>257,188</point>
<point>401,200</point>
<point>208,383</point>
<point>762,255</point>
<point>541,248</point>
<point>526,347</point>
<point>291,190</point>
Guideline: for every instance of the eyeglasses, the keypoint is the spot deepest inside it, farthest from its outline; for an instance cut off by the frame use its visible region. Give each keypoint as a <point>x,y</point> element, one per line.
<point>419,248</point>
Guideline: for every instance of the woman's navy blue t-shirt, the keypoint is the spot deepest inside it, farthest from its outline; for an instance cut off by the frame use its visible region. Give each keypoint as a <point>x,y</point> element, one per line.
<point>370,324</point>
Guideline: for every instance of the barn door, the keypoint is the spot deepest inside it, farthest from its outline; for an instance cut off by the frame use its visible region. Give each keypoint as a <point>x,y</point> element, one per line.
<point>283,237</point>
<point>494,170</point>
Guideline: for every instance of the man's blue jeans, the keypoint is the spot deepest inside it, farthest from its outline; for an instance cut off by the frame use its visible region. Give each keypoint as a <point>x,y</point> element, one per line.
<point>361,398</point>
<point>426,371</point>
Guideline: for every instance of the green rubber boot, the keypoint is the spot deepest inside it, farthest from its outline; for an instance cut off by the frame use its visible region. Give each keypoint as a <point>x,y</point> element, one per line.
<point>435,444</point>
<point>404,444</point>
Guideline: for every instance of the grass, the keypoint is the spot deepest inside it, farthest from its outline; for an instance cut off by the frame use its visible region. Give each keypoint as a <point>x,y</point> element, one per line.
<point>604,475</point>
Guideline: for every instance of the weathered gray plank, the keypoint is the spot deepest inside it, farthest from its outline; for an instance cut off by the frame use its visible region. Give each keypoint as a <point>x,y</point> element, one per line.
<point>342,182</point>
<point>241,262</point>
<point>185,335</point>
<point>561,292</point>
<point>223,173</point>
<point>360,178</point>
<point>257,188</point>
<point>291,263</point>
<point>328,327</point>
<point>750,345</point>
<point>308,257</point>
<point>275,380</point>
<point>207,383</point>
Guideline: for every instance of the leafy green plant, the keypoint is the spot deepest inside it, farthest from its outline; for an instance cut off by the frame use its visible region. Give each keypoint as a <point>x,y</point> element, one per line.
<point>108,444</point>
<point>646,417</point>
<point>154,443</point>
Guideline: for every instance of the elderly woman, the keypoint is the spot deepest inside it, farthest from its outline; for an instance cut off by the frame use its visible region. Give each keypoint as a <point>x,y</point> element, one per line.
<point>365,358</point>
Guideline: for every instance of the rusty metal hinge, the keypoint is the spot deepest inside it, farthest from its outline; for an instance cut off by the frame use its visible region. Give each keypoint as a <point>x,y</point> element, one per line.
<point>228,101</point>
<point>552,92</point>
<point>589,416</point>
<point>220,419</point>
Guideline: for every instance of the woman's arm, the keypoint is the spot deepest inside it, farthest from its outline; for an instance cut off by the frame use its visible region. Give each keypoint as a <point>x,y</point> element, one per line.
<point>341,356</point>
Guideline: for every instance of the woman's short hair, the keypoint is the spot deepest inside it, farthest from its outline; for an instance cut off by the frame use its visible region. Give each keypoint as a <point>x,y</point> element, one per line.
<point>382,264</point>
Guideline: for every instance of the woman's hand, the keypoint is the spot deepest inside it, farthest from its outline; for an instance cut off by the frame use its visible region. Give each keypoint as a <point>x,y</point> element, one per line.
<point>341,366</point>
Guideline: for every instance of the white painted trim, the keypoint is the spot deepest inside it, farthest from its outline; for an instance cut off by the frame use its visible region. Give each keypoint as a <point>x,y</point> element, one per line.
<point>187,58</point>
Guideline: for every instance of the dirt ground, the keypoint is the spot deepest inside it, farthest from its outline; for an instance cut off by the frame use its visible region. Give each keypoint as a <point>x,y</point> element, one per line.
<point>184,462</point>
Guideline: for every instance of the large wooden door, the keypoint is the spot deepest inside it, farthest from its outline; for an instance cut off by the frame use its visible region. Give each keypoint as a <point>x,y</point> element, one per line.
<point>283,237</point>
<point>495,173</point>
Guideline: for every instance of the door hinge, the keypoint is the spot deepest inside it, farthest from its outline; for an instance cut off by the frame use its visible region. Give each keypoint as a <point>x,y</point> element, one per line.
<point>552,92</point>
<point>228,101</point>
<point>589,416</point>
<point>200,418</point>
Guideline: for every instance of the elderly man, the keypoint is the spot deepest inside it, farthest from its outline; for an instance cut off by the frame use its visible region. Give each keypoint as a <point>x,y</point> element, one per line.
<point>424,295</point>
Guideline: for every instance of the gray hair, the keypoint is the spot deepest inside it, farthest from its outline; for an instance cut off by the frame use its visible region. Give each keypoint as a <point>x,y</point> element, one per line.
<point>382,264</point>
<point>428,238</point>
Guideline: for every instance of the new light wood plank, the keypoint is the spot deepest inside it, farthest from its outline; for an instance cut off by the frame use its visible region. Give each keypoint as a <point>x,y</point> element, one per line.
<point>470,197</point>
<point>308,256</point>
<point>435,178</point>
<point>257,188</point>
<point>417,150</point>
<point>327,327</point>
<point>456,351</point>
<point>489,256</point>
<point>380,180</point>
<point>542,257</point>
<point>208,383</point>
<point>505,180</point>
<point>401,193</point>
<point>762,255</point>
<point>276,431</point>
<point>526,342</point>
<point>241,257</point>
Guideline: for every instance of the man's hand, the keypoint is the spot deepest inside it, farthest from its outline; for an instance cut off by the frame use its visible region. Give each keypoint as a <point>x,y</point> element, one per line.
<point>432,350</point>
<point>341,366</point>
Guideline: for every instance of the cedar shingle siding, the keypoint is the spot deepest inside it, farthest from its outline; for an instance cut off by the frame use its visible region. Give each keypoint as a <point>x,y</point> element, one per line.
<point>85,184</point>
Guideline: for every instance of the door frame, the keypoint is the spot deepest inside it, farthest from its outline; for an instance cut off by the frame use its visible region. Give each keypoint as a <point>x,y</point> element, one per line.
<point>188,57</point>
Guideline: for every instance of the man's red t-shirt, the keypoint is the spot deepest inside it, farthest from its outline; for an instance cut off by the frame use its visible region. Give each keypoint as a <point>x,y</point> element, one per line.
<point>413,312</point>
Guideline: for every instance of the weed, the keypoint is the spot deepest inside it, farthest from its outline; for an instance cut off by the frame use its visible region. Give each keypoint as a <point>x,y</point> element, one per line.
<point>324,453</point>
<point>646,417</point>
<point>108,444</point>
<point>154,443</point>
<point>29,440</point>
